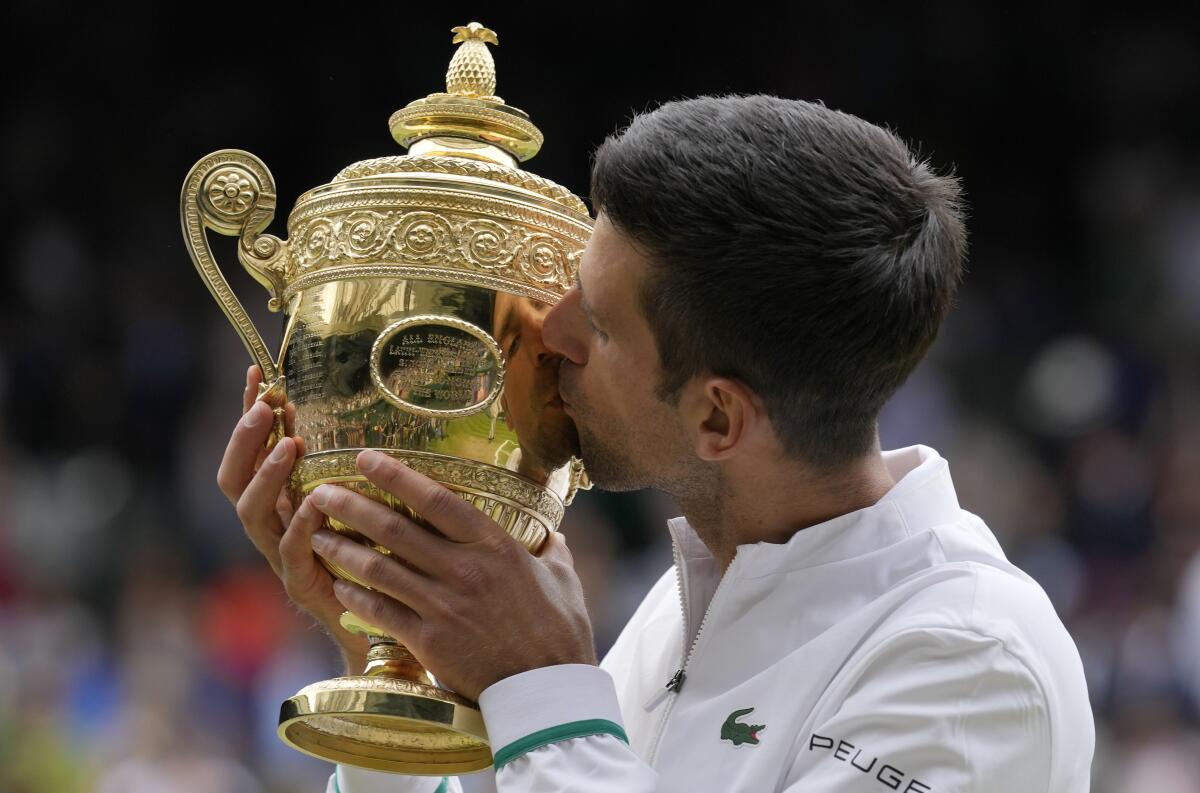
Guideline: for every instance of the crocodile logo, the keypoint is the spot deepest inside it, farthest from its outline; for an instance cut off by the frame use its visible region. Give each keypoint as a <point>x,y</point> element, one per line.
<point>738,733</point>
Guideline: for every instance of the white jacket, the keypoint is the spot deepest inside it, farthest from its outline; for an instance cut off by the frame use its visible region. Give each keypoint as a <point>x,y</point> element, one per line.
<point>889,649</point>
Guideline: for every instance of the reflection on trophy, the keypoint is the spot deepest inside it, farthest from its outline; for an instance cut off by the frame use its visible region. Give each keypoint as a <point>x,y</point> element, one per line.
<point>413,290</point>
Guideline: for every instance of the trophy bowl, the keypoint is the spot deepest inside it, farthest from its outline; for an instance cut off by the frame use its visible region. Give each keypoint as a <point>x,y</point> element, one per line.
<point>413,290</point>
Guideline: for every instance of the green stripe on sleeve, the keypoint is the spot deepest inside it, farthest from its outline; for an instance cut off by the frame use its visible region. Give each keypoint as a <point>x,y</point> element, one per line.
<point>563,732</point>
<point>442,788</point>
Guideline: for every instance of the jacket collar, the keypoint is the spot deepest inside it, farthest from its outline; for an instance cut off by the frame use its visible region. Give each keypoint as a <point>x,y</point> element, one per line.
<point>922,497</point>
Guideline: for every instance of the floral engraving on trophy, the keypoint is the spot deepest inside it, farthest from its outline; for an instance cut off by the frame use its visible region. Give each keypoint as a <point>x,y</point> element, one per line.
<point>231,192</point>
<point>542,257</point>
<point>421,235</point>
<point>437,366</point>
<point>363,233</point>
<point>488,243</point>
<point>315,242</point>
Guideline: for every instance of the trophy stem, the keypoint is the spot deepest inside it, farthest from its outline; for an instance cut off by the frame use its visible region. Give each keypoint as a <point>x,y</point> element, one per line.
<point>388,658</point>
<point>392,717</point>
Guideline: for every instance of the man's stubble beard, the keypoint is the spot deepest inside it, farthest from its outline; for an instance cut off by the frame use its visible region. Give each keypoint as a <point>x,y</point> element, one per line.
<point>607,465</point>
<point>619,457</point>
<point>623,458</point>
<point>556,444</point>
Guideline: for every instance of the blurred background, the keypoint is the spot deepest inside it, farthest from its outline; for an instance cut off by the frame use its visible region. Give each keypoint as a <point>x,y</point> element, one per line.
<point>143,644</point>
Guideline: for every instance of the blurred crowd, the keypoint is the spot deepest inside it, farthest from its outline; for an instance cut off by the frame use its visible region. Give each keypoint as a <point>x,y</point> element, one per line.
<point>145,647</point>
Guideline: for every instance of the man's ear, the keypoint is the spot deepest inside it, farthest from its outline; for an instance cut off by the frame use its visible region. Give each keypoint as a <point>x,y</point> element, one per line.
<point>723,415</point>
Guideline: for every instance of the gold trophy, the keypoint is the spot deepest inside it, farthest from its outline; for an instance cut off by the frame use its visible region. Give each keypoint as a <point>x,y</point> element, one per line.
<point>413,290</point>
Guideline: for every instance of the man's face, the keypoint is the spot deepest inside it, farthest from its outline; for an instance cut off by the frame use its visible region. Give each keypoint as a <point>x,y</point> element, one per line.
<point>628,437</point>
<point>532,404</point>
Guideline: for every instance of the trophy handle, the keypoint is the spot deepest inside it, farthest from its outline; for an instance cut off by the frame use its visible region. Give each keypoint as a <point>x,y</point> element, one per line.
<point>232,192</point>
<point>579,481</point>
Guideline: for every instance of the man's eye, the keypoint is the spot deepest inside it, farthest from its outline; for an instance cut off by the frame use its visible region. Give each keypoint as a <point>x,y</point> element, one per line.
<point>514,345</point>
<point>603,336</point>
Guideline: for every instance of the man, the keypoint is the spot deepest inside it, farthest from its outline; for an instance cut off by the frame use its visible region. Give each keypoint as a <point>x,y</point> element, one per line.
<point>763,275</point>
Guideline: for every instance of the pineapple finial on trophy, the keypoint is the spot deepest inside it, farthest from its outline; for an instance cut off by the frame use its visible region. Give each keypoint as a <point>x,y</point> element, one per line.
<point>472,71</point>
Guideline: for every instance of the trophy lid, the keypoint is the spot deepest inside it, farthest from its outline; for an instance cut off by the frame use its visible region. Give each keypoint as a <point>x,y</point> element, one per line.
<point>455,208</point>
<point>469,108</point>
<point>467,130</point>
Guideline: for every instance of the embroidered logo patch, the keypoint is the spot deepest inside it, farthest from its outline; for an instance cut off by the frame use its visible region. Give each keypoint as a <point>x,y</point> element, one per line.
<point>738,733</point>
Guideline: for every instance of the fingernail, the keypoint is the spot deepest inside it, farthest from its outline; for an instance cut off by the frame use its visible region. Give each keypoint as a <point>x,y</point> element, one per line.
<point>322,541</point>
<point>320,496</point>
<point>280,451</point>
<point>369,460</point>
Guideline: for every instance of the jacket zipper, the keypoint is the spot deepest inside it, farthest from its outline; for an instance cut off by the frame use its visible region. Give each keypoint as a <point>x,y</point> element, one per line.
<point>675,684</point>
<point>676,681</point>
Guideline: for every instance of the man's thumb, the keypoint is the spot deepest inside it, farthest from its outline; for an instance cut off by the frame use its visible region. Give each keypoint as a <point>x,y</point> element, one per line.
<point>555,549</point>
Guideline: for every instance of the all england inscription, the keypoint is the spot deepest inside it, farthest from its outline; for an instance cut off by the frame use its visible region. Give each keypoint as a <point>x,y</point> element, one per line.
<point>439,368</point>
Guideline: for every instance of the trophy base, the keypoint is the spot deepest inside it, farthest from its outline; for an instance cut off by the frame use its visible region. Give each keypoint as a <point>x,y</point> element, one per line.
<point>387,724</point>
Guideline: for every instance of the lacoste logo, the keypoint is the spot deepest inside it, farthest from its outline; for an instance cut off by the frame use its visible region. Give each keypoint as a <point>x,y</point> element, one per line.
<point>738,733</point>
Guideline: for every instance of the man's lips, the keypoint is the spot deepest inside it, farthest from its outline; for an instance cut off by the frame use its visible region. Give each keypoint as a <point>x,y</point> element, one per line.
<point>562,401</point>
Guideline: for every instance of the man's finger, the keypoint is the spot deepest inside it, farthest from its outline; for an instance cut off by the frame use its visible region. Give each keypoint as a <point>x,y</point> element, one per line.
<point>243,450</point>
<point>384,526</point>
<point>400,621</point>
<point>300,570</point>
<point>444,510</point>
<point>295,547</point>
<point>283,507</point>
<point>257,507</point>
<point>382,573</point>
<point>253,378</point>
<point>260,498</point>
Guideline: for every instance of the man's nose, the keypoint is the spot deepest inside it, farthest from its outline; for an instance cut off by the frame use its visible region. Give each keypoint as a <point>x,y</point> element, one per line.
<point>537,345</point>
<point>563,329</point>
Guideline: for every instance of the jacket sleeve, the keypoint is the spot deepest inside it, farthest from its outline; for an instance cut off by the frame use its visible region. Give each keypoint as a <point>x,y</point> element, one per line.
<point>552,729</point>
<point>950,711</point>
<point>559,728</point>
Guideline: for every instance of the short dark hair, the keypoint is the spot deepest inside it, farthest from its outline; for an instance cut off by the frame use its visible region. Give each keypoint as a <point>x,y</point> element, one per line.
<point>801,250</point>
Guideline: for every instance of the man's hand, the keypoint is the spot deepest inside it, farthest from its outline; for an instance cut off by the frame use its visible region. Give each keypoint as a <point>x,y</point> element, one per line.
<point>255,483</point>
<point>473,605</point>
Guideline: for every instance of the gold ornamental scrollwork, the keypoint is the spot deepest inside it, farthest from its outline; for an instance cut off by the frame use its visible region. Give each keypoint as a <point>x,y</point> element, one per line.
<point>488,244</point>
<point>421,237</point>
<point>458,244</point>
